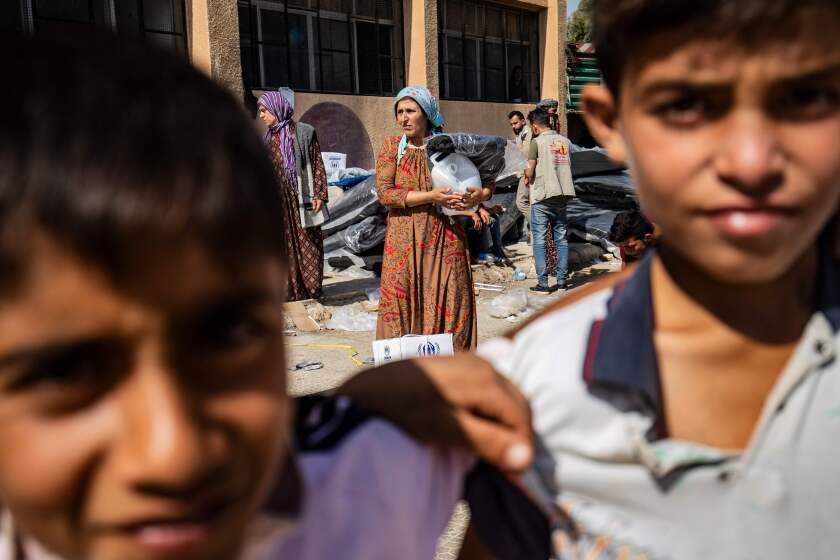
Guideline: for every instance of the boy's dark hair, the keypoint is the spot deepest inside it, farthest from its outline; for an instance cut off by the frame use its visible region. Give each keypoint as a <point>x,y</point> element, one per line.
<point>516,114</point>
<point>625,30</point>
<point>628,225</point>
<point>539,117</point>
<point>109,146</point>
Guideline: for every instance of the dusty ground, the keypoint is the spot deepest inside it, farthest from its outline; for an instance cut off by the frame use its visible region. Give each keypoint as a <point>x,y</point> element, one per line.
<point>335,348</point>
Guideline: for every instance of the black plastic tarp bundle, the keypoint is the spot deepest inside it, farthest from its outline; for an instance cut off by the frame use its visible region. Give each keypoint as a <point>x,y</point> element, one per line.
<point>486,152</point>
<point>358,238</point>
<point>353,206</point>
<point>599,199</point>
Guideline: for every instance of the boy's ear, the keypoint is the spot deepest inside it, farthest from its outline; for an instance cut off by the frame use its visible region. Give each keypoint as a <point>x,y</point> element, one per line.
<point>600,110</point>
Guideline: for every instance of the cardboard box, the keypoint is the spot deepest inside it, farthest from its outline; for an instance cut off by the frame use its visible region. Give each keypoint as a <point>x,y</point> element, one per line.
<point>412,346</point>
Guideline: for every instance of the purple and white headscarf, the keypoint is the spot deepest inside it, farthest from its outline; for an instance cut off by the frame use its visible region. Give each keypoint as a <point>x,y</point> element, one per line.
<point>276,104</point>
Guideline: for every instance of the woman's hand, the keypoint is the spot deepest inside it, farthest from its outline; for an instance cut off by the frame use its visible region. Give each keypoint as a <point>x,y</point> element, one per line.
<point>446,198</point>
<point>484,214</point>
<point>317,204</point>
<point>475,196</point>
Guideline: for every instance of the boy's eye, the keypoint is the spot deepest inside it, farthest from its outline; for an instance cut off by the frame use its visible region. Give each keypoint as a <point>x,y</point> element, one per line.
<point>232,330</point>
<point>73,375</point>
<point>805,101</point>
<point>688,109</point>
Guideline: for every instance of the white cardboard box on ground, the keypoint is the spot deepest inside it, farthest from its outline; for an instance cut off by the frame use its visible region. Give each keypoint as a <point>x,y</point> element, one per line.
<point>412,346</point>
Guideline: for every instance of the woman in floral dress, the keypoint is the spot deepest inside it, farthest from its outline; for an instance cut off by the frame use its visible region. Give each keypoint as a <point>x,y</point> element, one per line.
<point>427,285</point>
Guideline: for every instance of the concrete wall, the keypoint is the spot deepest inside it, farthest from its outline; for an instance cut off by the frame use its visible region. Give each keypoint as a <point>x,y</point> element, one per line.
<point>375,113</point>
<point>362,138</point>
<point>480,117</point>
<point>420,24</point>
<point>213,39</point>
<point>553,54</point>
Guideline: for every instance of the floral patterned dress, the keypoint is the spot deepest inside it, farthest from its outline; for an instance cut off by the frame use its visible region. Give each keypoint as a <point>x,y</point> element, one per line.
<point>427,285</point>
<point>304,246</point>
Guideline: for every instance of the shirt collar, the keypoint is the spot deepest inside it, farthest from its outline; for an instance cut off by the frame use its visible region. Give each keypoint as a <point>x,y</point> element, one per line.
<point>828,283</point>
<point>621,357</point>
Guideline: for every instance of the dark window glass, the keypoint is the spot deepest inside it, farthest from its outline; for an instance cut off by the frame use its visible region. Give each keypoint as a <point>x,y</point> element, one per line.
<point>71,11</point>
<point>454,50</point>
<point>47,27</point>
<point>489,52</point>
<point>274,29</point>
<point>335,35</point>
<point>159,22</point>
<point>336,72</point>
<point>471,62</point>
<point>10,16</point>
<point>365,8</point>
<point>513,27</point>
<point>298,65</point>
<point>347,46</point>
<point>385,9</point>
<point>495,55</point>
<point>366,37</point>
<point>166,41</point>
<point>455,82</point>
<point>275,65</point>
<point>471,19</point>
<point>335,6</point>
<point>454,15</point>
<point>494,24</point>
<point>159,15</point>
<point>127,14</point>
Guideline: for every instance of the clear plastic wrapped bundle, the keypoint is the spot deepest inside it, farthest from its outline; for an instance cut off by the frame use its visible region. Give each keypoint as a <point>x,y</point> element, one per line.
<point>487,153</point>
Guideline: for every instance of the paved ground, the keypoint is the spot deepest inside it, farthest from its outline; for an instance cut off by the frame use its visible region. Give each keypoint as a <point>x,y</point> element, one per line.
<point>337,349</point>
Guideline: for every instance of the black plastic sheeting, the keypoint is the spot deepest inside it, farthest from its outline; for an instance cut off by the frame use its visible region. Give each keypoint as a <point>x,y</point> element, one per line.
<point>599,199</point>
<point>358,238</point>
<point>355,205</point>
<point>586,163</point>
<point>357,219</point>
<point>486,152</point>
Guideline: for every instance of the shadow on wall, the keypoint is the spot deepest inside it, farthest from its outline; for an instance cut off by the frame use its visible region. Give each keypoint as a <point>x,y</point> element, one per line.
<point>340,130</point>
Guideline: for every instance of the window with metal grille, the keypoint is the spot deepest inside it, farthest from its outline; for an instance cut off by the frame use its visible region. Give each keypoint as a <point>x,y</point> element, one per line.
<point>158,21</point>
<point>488,52</point>
<point>334,46</point>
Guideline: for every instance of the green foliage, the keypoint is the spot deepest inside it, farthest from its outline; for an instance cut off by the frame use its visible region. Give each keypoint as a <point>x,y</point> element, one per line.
<point>579,27</point>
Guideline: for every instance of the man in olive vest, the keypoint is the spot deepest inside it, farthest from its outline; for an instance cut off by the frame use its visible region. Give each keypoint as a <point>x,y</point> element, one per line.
<point>522,136</point>
<point>550,182</point>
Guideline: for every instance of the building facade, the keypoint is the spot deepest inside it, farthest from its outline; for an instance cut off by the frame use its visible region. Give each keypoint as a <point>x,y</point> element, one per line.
<point>346,59</point>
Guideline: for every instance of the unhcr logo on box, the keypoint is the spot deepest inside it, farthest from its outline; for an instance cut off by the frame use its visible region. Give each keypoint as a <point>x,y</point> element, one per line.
<point>428,349</point>
<point>412,346</point>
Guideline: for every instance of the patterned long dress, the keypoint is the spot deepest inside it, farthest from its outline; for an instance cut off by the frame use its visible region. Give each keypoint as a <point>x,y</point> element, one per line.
<point>304,246</point>
<point>427,285</point>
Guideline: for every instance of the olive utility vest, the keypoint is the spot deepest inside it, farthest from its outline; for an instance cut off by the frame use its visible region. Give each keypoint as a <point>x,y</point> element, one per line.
<point>553,176</point>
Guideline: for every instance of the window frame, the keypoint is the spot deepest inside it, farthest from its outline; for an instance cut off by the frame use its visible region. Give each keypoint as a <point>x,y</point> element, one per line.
<point>480,37</point>
<point>252,47</point>
<point>30,20</point>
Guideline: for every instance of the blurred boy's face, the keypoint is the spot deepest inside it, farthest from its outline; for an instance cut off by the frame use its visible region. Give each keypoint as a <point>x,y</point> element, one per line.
<point>634,247</point>
<point>143,421</point>
<point>735,152</point>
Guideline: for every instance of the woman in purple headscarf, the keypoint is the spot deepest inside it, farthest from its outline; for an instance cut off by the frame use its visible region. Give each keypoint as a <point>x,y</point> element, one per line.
<point>302,180</point>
